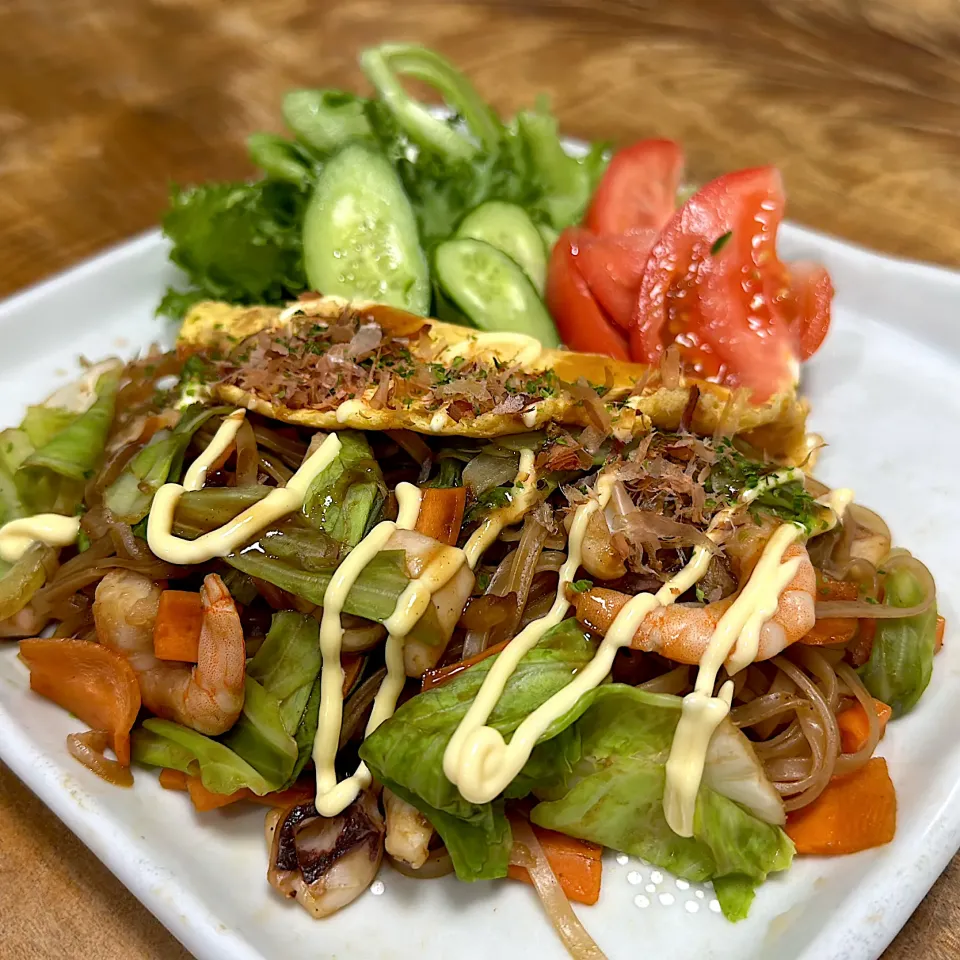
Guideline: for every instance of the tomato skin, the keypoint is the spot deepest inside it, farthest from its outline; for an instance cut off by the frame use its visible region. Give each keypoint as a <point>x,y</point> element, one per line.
<point>638,188</point>
<point>580,321</point>
<point>812,294</point>
<point>726,306</point>
<point>612,266</point>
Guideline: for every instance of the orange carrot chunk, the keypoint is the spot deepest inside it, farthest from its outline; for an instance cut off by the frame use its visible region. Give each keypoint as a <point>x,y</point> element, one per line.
<point>938,636</point>
<point>830,589</point>
<point>831,630</point>
<point>176,634</point>
<point>855,725</point>
<point>854,813</point>
<point>173,779</point>
<point>301,792</point>
<point>441,513</point>
<point>89,680</point>
<point>204,799</point>
<point>576,863</point>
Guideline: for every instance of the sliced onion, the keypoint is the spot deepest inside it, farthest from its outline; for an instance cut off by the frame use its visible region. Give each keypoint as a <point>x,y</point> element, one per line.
<point>674,681</point>
<point>438,864</point>
<point>485,471</point>
<point>571,931</point>
<point>882,611</point>
<point>88,748</point>
<point>360,635</point>
<point>412,442</point>
<point>357,705</point>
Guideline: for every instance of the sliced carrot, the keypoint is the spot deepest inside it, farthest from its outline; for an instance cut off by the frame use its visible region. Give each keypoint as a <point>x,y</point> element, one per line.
<point>301,792</point>
<point>855,726</point>
<point>173,779</point>
<point>89,680</point>
<point>176,634</point>
<point>853,813</point>
<point>439,675</point>
<point>204,799</point>
<point>938,636</point>
<point>831,630</point>
<point>576,863</point>
<point>441,513</point>
<point>830,589</point>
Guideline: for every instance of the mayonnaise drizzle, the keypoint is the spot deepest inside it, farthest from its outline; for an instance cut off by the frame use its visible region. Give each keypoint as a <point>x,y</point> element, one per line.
<point>224,540</point>
<point>17,536</point>
<point>493,524</point>
<point>527,349</point>
<point>478,759</point>
<point>333,797</point>
<point>736,636</point>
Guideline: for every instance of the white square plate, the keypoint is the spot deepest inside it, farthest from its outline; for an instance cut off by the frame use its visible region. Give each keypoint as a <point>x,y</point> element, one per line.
<point>882,395</point>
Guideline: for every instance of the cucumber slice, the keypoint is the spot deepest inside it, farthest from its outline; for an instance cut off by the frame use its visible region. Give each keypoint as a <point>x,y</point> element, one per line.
<point>492,290</point>
<point>508,228</point>
<point>360,235</point>
<point>549,236</point>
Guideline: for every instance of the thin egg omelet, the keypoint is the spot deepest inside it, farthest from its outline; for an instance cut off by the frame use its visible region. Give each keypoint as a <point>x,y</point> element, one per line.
<point>328,363</point>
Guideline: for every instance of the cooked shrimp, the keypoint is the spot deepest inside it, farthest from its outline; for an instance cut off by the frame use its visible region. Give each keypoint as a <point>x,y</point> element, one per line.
<point>26,623</point>
<point>207,697</point>
<point>408,831</point>
<point>682,632</point>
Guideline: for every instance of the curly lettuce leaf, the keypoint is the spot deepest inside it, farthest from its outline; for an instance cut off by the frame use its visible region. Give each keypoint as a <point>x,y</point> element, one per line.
<point>347,495</point>
<point>614,796</point>
<point>238,242</point>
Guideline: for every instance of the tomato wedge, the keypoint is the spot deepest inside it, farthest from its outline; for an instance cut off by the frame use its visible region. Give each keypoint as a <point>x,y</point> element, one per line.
<point>613,266</point>
<point>638,188</point>
<point>812,293</point>
<point>714,286</point>
<point>580,321</point>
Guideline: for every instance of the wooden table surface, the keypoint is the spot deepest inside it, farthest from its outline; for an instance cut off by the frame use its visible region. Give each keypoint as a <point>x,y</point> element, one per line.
<point>102,104</point>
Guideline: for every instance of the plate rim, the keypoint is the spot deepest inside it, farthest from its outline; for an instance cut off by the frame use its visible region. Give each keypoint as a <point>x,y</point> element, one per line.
<point>189,919</point>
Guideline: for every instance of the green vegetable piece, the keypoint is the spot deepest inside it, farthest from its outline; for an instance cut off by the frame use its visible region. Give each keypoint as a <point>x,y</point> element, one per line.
<point>901,661</point>
<point>25,577</point>
<point>326,120</point>
<point>343,498</point>
<point>15,447</point>
<point>360,235</point>
<point>259,736</point>
<point>492,290</point>
<point>221,769</point>
<point>385,65</point>
<point>406,751</point>
<point>153,750</point>
<point>41,424</point>
<point>51,478</point>
<point>239,242</point>
<point>129,496</point>
<point>616,798</point>
<point>306,728</point>
<point>289,657</point>
<point>278,158</point>
<point>510,229</point>
<point>567,182</point>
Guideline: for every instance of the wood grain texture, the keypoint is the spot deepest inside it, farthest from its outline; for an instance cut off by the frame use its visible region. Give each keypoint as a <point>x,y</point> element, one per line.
<point>102,104</point>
